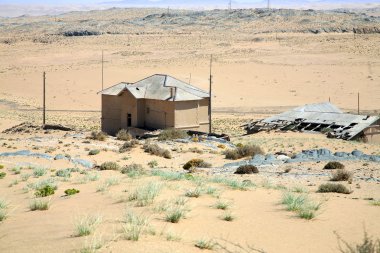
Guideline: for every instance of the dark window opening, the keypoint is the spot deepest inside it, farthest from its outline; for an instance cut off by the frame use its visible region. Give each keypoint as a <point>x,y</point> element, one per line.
<point>129,120</point>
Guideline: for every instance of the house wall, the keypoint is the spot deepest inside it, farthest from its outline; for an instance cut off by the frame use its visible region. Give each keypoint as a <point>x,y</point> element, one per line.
<point>372,133</point>
<point>159,114</point>
<point>111,109</point>
<point>192,115</point>
<point>128,106</point>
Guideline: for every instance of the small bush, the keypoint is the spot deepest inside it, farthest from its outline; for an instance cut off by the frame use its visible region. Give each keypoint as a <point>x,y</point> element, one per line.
<point>368,245</point>
<point>45,191</point>
<point>124,135</point>
<point>341,175</point>
<point>145,195</point>
<point>154,149</point>
<point>194,193</point>
<point>94,152</point>
<point>73,191</point>
<point>243,151</point>
<point>63,173</point>
<point>128,145</point>
<point>247,169</point>
<point>109,166</point>
<point>196,163</point>
<point>301,204</point>
<point>222,205</point>
<point>330,187</point>
<point>87,224</point>
<point>2,175</point>
<point>333,166</point>
<point>3,210</point>
<point>1,166</point>
<point>172,134</point>
<point>39,204</point>
<point>135,226</point>
<point>133,170</point>
<point>153,164</point>
<point>39,171</point>
<point>205,244</point>
<point>99,136</point>
<point>175,214</point>
<point>228,216</point>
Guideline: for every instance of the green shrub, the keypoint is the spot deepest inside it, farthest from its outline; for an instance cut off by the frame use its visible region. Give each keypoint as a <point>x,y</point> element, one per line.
<point>133,170</point>
<point>123,135</point>
<point>222,205</point>
<point>196,163</point>
<point>39,204</point>
<point>205,244</point>
<point>63,173</point>
<point>87,224</point>
<point>175,214</point>
<point>3,210</point>
<point>368,245</point>
<point>94,152</point>
<point>194,193</point>
<point>99,136</point>
<point>153,164</point>
<point>172,134</point>
<point>154,149</point>
<point>301,204</point>
<point>228,216</point>
<point>247,169</point>
<point>243,151</point>
<point>39,171</point>
<point>333,166</point>
<point>135,226</point>
<point>330,187</point>
<point>145,194</point>
<point>1,166</point>
<point>341,175</point>
<point>128,145</point>
<point>2,175</point>
<point>73,191</point>
<point>109,166</point>
<point>45,191</point>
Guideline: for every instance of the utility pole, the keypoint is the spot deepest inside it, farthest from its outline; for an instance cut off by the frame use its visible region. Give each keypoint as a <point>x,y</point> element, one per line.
<point>358,103</point>
<point>190,79</point>
<point>210,93</point>
<point>44,104</point>
<point>268,4</point>
<point>230,5</point>
<point>102,69</point>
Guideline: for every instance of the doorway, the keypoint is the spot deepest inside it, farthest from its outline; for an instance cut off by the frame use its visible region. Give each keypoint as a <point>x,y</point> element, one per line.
<point>129,120</point>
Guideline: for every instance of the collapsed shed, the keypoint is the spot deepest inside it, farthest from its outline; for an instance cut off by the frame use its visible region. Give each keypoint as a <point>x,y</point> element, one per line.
<point>323,118</point>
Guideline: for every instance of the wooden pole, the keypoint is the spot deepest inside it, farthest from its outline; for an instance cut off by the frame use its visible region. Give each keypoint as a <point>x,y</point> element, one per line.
<point>44,104</point>
<point>210,93</point>
<point>358,103</point>
<point>190,79</point>
<point>102,69</point>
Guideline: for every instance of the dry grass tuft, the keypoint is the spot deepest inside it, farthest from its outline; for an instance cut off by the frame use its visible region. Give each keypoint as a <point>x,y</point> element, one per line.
<point>243,151</point>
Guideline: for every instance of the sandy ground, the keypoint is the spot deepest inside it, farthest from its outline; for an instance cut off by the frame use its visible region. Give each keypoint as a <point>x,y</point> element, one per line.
<point>254,75</point>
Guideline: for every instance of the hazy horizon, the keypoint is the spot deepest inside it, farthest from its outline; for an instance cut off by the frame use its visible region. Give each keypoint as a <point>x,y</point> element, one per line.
<point>16,8</point>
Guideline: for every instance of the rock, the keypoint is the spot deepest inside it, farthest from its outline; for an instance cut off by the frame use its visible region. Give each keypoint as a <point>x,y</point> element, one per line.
<point>283,157</point>
<point>357,153</point>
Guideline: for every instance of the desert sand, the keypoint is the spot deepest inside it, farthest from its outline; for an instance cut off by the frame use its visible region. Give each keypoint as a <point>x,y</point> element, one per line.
<point>258,70</point>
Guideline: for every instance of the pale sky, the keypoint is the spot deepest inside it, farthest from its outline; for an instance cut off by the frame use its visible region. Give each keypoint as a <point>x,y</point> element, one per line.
<point>9,8</point>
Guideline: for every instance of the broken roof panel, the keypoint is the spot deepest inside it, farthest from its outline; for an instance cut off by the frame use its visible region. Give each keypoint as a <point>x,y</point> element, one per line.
<point>319,116</point>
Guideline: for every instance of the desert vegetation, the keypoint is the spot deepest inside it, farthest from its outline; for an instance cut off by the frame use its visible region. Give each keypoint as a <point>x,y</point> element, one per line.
<point>243,151</point>
<point>154,149</point>
<point>331,187</point>
<point>172,134</point>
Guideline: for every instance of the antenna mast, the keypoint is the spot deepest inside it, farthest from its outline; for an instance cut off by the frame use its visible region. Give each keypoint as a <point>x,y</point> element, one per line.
<point>102,69</point>
<point>210,94</point>
<point>268,4</point>
<point>230,5</point>
<point>44,105</point>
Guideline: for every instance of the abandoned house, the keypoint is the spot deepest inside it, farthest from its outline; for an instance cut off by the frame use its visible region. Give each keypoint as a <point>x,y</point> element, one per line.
<point>323,118</point>
<point>156,102</point>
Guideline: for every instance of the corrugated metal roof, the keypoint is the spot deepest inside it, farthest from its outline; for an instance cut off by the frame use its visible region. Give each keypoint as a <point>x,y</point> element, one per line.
<point>327,114</point>
<point>114,90</point>
<point>159,87</point>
